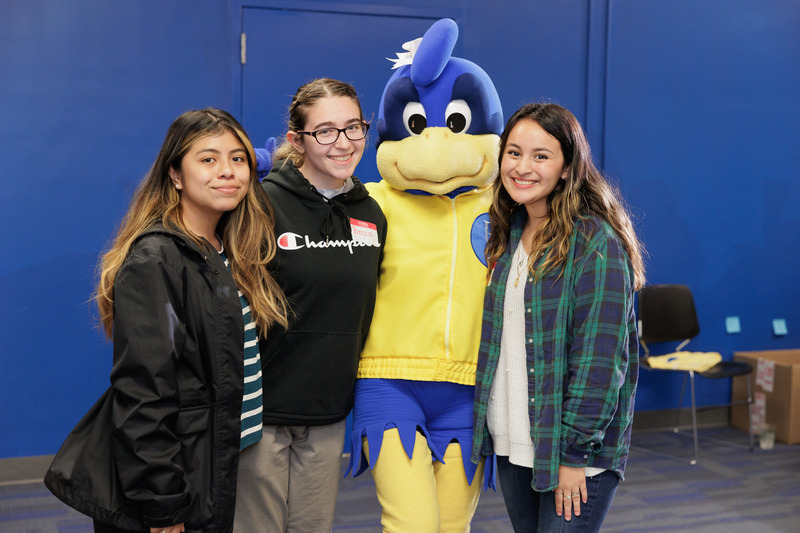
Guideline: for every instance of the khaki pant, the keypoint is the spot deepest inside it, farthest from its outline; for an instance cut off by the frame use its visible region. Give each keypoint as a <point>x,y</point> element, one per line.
<point>288,480</point>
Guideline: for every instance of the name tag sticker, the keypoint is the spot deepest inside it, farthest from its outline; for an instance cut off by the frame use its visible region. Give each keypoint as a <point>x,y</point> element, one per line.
<point>364,232</point>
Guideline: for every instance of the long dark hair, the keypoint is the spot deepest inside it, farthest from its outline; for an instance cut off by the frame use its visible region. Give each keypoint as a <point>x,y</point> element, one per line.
<point>584,192</point>
<point>246,231</point>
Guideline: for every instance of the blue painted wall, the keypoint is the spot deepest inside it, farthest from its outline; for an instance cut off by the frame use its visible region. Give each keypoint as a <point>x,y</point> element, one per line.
<point>701,131</point>
<point>690,105</point>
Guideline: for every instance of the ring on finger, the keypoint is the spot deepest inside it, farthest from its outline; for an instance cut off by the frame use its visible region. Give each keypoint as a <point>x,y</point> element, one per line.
<point>574,493</point>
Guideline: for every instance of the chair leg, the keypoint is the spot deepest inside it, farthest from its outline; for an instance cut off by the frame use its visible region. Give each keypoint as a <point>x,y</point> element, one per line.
<point>750,412</point>
<point>677,425</point>
<point>694,419</point>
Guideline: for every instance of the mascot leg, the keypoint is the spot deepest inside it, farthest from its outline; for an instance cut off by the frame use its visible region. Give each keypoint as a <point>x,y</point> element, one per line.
<point>406,487</point>
<point>457,498</point>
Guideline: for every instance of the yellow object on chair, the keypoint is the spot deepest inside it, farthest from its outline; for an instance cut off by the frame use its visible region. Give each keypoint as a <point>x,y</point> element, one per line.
<point>697,361</point>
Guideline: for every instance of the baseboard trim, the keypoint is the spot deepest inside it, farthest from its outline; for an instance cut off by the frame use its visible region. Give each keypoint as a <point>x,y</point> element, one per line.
<point>707,416</point>
<point>24,469</point>
<point>33,468</point>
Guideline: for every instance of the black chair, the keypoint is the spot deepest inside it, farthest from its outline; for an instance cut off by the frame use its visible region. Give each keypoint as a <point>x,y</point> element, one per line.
<point>667,314</point>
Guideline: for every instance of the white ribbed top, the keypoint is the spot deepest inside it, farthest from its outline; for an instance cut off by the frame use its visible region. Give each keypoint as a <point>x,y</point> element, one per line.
<point>507,415</point>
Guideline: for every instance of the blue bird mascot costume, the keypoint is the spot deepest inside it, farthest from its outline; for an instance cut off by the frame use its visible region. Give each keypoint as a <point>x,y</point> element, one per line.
<point>439,126</point>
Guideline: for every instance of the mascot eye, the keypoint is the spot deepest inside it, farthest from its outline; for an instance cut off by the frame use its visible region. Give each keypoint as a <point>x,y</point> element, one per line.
<point>458,116</point>
<point>414,118</point>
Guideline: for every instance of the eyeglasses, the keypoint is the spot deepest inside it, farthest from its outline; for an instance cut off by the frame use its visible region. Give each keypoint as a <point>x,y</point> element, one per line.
<point>354,132</point>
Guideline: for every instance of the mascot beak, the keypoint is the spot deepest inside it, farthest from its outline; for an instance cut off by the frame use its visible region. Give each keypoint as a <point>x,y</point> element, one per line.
<point>439,161</point>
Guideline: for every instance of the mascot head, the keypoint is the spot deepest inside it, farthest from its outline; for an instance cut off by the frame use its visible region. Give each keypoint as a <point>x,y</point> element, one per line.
<point>439,120</point>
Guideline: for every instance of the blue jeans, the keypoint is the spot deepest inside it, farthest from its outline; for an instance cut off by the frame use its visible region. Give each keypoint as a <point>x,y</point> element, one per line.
<point>532,511</point>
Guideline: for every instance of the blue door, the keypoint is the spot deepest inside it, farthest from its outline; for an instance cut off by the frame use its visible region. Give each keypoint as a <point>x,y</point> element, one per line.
<point>287,45</point>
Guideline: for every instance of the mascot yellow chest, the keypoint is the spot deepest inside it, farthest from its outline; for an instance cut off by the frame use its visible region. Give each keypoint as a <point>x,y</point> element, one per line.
<point>427,317</point>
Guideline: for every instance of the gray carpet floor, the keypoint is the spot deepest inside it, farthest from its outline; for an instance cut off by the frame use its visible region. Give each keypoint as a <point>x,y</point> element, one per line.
<point>730,490</point>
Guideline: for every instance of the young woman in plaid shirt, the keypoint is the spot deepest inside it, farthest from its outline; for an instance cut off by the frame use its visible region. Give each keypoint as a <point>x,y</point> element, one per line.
<point>557,367</point>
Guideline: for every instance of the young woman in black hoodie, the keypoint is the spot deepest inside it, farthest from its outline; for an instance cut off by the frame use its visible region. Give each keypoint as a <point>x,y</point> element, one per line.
<point>330,238</point>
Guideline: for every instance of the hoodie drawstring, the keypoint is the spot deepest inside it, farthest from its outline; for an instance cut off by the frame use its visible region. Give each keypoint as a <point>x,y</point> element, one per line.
<point>328,224</point>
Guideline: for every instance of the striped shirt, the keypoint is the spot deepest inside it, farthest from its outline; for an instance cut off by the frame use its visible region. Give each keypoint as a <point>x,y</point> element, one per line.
<point>252,401</point>
<point>582,354</point>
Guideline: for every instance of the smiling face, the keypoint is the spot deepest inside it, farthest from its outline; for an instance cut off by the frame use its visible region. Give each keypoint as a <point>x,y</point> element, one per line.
<point>531,166</point>
<point>212,179</point>
<point>328,166</point>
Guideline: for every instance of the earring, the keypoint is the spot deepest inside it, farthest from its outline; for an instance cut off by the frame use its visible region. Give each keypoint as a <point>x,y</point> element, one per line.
<point>175,178</point>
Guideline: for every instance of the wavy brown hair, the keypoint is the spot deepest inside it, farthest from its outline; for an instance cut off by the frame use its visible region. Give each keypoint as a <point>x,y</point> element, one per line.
<point>246,231</point>
<point>584,192</point>
<point>305,98</point>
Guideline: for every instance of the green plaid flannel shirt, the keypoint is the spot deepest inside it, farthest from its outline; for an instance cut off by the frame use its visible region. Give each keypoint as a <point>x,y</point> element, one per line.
<point>582,354</point>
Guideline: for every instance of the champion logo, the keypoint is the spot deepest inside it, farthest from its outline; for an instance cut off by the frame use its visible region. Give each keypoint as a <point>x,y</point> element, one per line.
<point>292,241</point>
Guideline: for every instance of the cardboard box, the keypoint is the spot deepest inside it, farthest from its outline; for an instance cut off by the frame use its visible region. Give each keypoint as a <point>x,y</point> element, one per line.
<point>776,384</point>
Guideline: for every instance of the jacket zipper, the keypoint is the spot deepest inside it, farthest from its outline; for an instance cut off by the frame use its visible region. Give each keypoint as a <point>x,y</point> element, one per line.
<point>453,257</point>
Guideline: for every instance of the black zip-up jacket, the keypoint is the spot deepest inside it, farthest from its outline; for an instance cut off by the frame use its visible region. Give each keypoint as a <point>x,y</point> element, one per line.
<point>161,446</point>
<point>327,263</point>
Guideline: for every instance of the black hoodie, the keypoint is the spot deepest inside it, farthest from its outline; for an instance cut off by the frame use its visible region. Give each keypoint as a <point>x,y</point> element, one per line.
<point>328,261</point>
